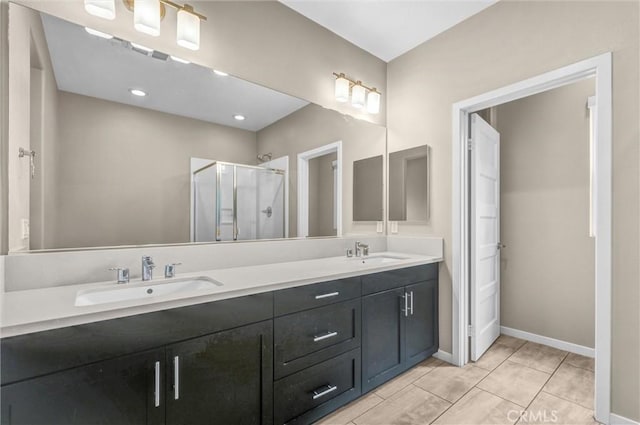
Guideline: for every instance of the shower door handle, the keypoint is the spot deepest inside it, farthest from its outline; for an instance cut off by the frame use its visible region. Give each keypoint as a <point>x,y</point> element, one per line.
<point>268,211</point>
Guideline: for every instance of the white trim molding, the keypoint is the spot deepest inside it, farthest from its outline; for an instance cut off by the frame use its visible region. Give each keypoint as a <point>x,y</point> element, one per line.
<point>303,186</point>
<point>599,68</point>
<point>621,420</point>
<point>444,356</point>
<point>551,342</point>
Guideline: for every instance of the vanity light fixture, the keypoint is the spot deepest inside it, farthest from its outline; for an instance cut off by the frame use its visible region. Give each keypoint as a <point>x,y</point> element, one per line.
<point>105,9</point>
<point>239,117</point>
<point>98,33</point>
<point>360,94</point>
<point>137,92</point>
<point>147,15</point>
<point>220,73</point>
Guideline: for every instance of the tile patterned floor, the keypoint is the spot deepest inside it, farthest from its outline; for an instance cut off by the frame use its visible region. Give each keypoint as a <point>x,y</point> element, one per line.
<point>515,382</point>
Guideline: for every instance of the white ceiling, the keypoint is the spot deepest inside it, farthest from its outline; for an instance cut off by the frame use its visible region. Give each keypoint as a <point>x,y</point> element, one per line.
<point>387,28</point>
<point>106,69</point>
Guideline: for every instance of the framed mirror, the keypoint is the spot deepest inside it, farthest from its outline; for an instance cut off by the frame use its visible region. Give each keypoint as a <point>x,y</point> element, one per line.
<point>368,189</point>
<point>409,185</point>
<point>125,145</point>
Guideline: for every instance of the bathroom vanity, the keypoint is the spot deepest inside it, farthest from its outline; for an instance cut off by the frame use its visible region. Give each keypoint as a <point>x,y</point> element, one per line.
<point>280,356</point>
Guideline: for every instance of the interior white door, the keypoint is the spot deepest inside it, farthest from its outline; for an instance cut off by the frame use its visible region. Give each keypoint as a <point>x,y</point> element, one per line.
<point>485,236</point>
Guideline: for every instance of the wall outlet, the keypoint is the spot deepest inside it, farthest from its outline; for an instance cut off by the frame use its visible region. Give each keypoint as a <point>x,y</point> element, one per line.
<point>25,228</point>
<point>379,227</point>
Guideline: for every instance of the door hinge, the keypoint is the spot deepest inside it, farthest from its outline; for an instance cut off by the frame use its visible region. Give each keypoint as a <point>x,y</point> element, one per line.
<point>470,331</point>
<point>469,144</point>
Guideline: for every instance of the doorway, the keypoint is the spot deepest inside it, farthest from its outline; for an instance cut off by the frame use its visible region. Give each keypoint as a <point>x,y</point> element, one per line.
<point>310,163</point>
<point>599,68</point>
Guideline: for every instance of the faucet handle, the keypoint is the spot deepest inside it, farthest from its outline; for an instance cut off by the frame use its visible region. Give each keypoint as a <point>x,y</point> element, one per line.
<point>170,270</point>
<point>122,274</point>
<point>349,252</point>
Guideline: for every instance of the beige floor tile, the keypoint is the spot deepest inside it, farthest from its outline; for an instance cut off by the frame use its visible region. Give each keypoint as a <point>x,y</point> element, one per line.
<point>584,362</point>
<point>495,355</point>
<point>409,406</point>
<point>451,382</point>
<point>351,411</point>
<point>574,384</point>
<point>538,356</point>
<point>481,407</point>
<point>510,341</point>
<point>514,382</point>
<point>410,376</point>
<point>549,409</point>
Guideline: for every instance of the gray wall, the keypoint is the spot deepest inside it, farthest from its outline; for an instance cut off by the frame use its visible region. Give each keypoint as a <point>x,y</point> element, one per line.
<point>506,43</point>
<point>123,171</point>
<point>311,127</point>
<point>547,268</point>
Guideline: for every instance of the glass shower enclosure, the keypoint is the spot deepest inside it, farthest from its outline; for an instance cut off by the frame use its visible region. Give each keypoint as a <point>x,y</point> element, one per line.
<point>237,202</point>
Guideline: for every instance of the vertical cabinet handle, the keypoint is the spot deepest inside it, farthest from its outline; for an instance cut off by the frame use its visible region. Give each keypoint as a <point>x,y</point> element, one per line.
<point>176,377</point>
<point>411,303</point>
<point>406,304</point>
<point>156,389</point>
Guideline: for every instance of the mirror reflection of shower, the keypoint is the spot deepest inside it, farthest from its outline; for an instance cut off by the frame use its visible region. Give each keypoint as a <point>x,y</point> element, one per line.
<point>236,201</point>
<point>265,157</point>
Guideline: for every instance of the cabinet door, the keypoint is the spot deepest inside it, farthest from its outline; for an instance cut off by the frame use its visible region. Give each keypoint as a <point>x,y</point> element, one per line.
<point>383,329</point>
<point>224,378</point>
<point>118,391</point>
<point>422,322</point>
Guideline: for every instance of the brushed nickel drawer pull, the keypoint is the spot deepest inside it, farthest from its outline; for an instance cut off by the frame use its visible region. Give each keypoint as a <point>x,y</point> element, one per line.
<point>176,377</point>
<point>329,389</point>
<point>156,392</point>
<point>329,295</point>
<point>325,336</point>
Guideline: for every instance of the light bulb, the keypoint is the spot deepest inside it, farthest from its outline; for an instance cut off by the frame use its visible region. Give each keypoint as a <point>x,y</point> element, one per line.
<point>105,9</point>
<point>138,92</point>
<point>146,16</point>
<point>188,31</point>
<point>373,102</point>
<point>358,94</point>
<point>342,89</point>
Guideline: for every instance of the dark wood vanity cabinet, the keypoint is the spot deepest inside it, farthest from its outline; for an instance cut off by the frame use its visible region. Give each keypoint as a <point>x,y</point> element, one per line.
<point>118,391</point>
<point>283,357</point>
<point>399,323</point>
<point>224,378</point>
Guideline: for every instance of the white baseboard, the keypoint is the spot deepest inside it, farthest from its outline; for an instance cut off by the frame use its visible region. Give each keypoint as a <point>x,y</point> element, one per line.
<point>551,342</point>
<point>444,356</point>
<point>621,420</point>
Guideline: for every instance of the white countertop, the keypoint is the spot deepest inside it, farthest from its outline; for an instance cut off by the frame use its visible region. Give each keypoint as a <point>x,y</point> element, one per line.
<point>50,308</point>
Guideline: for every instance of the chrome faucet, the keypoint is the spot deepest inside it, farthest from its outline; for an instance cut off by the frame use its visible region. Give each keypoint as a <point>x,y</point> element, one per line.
<point>362,249</point>
<point>147,267</point>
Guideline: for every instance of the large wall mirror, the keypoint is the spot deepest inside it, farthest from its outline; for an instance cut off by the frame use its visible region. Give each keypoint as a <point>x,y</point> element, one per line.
<point>125,145</point>
<point>409,185</point>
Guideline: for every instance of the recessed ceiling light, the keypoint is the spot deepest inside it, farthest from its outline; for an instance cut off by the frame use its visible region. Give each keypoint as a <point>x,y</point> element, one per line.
<point>141,47</point>
<point>180,60</point>
<point>220,73</point>
<point>239,117</point>
<point>98,33</point>
<point>137,92</point>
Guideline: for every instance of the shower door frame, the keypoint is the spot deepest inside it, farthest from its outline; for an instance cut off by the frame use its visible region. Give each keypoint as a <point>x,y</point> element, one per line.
<point>235,197</point>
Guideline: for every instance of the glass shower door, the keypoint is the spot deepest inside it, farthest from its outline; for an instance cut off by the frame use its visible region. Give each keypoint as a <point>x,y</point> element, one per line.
<point>270,195</point>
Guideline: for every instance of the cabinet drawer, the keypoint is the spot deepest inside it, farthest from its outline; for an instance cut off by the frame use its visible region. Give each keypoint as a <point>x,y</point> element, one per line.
<point>311,336</point>
<point>383,281</point>
<point>314,392</point>
<point>320,294</point>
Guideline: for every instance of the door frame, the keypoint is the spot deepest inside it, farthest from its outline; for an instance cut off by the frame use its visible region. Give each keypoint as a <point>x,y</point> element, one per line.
<point>303,186</point>
<point>599,68</point>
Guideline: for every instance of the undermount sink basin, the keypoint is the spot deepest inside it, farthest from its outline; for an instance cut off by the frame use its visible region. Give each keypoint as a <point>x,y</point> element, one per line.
<point>137,291</point>
<point>379,259</point>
